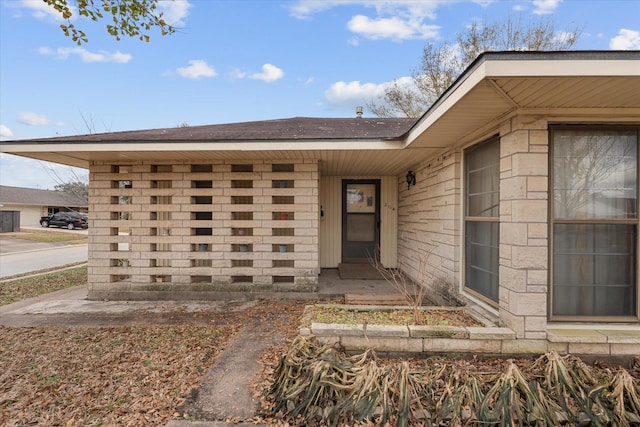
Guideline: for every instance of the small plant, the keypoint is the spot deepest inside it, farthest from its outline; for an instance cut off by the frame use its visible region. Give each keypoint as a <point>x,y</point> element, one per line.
<point>412,290</point>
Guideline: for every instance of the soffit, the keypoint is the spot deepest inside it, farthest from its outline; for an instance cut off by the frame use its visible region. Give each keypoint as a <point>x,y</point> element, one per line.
<point>332,162</point>
<point>494,99</point>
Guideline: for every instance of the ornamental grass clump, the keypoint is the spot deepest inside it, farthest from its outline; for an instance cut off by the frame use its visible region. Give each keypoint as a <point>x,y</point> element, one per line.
<point>319,385</point>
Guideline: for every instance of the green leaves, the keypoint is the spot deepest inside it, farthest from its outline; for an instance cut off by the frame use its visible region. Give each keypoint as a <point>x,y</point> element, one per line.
<point>131,18</point>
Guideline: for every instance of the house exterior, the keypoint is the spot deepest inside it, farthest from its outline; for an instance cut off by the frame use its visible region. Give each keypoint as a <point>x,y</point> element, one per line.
<point>34,203</point>
<point>525,197</point>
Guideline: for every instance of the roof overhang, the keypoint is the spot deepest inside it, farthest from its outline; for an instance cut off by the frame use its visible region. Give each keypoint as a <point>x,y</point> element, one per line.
<point>603,84</point>
<point>495,87</point>
<point>372,157</point>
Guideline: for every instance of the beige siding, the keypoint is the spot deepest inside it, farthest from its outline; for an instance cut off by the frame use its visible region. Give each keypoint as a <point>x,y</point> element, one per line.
<point>29,215</point>
<point>389,221</point>
<point>331,222</point>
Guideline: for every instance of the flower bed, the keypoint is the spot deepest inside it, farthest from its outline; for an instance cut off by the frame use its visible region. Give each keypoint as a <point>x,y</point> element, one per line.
<point>427,316</point>
<point>452,329</point>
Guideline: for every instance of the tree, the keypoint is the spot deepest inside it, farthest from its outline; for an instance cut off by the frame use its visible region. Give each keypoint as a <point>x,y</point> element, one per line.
<point>443,62</point>
<point>130,17</point>
<point>78,188</point>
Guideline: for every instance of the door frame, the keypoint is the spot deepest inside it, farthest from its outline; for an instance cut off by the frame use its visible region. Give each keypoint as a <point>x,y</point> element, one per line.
<point>345,183</point>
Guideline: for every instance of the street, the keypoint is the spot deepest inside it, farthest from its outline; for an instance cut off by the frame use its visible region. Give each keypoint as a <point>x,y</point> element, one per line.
<point>39,258</point>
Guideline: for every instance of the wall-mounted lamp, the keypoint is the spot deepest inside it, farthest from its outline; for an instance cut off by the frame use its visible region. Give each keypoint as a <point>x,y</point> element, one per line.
<point>411,179</point>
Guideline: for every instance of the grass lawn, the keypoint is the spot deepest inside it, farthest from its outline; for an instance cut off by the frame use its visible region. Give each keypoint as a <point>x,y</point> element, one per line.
<point>28,287</point>
<point>46,236</point>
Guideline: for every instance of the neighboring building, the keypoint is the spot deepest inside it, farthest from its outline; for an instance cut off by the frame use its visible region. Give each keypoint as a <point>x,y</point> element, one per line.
<point>33,203</point>
<point>525,197</point>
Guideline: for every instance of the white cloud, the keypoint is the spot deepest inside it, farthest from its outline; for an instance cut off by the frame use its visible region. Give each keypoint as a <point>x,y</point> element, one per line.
<point>270,73</point>
<point>85,55</point>
<point>5,132</point>
<point>33,119</point>
<point>303,9</point>
<point>197,68</point>
<point>391,28</point>
<point>174,12</point>
<point>625,40</point>
<point>41,10</point>
<point>347,96</point>
<point>395,19</point>
<point>237,74</point>
<point>545,7</point>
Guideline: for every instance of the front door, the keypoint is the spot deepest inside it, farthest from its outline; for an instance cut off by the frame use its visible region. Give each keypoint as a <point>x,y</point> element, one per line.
<point>360,219</point>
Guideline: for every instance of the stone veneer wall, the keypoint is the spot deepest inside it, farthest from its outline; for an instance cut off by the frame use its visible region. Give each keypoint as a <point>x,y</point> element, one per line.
<point>524,245</point>
<point>429,221</point>
<point>429,226</point>
<point>172,230</point>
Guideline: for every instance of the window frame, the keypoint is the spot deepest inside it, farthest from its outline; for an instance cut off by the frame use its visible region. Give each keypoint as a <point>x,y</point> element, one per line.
<point>476,219</point>
<point>590,221</point>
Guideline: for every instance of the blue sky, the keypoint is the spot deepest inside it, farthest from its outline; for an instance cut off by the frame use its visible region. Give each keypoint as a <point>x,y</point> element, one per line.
<point>234,61</point>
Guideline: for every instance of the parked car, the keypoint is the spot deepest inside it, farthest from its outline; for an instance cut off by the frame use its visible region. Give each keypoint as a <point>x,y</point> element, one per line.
<point>68,220</point>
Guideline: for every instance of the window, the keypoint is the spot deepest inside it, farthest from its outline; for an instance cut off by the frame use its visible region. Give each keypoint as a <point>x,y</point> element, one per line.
<point>594,222</point>
<point>481,220</point>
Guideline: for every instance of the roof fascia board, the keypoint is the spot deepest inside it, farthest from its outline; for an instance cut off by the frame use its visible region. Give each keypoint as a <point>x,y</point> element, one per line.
<point>202,146</point>
<point>561,68</point>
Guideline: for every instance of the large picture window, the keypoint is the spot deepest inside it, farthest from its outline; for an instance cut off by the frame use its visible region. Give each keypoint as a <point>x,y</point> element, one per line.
<point>594,222</point>
<point>481,221</point>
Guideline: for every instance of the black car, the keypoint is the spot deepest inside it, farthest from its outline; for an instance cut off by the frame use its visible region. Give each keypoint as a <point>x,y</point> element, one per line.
<point>68,220</point>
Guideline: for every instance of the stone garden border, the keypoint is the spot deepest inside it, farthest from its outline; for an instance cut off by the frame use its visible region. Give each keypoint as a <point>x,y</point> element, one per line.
<point>486,340</point>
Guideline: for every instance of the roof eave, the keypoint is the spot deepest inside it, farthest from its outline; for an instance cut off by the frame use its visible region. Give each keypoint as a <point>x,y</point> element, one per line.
<point>524,65</point>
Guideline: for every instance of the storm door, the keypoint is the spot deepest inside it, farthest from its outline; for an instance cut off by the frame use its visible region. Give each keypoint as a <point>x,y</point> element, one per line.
<point>360,219</point>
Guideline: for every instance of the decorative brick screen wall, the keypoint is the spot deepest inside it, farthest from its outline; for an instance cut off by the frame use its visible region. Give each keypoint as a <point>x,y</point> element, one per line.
<point>194,228</point>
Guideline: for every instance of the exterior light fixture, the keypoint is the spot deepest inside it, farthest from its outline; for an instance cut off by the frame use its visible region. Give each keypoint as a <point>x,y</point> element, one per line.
<point>411,179</point>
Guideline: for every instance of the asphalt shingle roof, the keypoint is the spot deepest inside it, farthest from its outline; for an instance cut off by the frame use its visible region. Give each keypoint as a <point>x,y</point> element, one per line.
<point>298,128</point>
<point>32,196</point>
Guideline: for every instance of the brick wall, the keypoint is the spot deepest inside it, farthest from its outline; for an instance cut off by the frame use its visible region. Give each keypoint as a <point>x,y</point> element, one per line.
<point>193,227</point>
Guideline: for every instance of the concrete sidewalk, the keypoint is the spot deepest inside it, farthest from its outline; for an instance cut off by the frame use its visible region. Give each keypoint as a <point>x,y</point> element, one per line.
<point>70,307</point>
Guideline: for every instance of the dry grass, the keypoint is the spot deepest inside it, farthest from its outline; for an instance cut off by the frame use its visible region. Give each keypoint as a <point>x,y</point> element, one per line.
<point>387,316</point>
<point>102,376</point>
<point>44,236</point>
<point>19,289</point>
